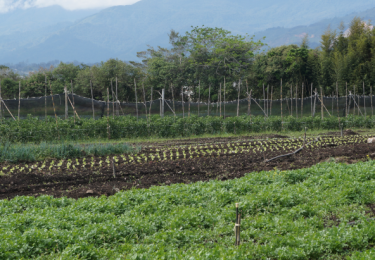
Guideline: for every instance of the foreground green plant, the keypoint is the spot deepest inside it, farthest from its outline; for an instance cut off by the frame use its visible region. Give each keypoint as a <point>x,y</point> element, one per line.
<point>35,130</point>
<point>302,214</point>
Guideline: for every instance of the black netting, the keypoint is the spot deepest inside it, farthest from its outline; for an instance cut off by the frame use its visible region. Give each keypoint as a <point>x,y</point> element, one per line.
<point>44,106</point>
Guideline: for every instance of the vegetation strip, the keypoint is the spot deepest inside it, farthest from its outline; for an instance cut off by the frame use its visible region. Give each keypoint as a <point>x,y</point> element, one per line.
<point>301,214</point>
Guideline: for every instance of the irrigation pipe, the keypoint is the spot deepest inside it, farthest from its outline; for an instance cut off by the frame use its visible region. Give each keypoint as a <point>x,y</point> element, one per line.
<point>300,149</point>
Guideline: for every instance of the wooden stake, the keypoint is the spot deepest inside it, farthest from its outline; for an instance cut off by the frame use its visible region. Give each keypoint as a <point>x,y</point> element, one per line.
<point>45,97</point>
<point>337,101</point>
<point>182,101</point>
<point>346,100</point>
<point>1,104</point>
<point>302,90</point>
<point>238,100</point>
<point>108,130</point>
<point>316,94</point>
<point>136,98</point>
<point>268,91</point>
<point>71,84</point>
<point>321,95</point>
<point>66,102</point>
<point>117,102</point>
<point>264,99</point>
<point>92,101</point>
<point>144,96</point>
<point>19,100</point>
<point>372,111</point>
<point>54,110</point>
<point>208,103</point>
<point>311,99</point>
<point>364,98</point>
<point>271,101</point>
<point>199,96</point>
<point>224,96</point>
<point>113,101</point>
<point>281,101</point>
<point>152,100</point>
<point>297,101</point>
<point>220,98</point>
<point>291,99</point>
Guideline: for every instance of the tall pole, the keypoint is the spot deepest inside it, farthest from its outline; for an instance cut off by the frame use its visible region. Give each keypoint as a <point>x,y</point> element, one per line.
<point>208,102</point>
<point>238,100</point>
<point>199,96</point>
<point>372,111</point>
<point>19,100</point>
<point>311,99</point>
<point>268,91</point>
<point>162,102</point>
<point>1,103</point>
<point>45,97</point>
<point>113,101</point>
<point>108,130</point>
<point>271,101</point>
<point>248,99</point>
<point>220,99</point>
<point>264,100</point>
<point>291,99</point>
<point>354,100</point>
<point>302,90</point>
<point>92,101</point>
<point>337,100</point>
<point>364,98</point>
<point>117,100</point>
<point>321,105</point>
<point>66,102</point>
<point>71,84</point>
<point>346,100</point>
<point>136,98</point>
<point>281,102</point>
<point>297,101</point>
<point>224,96</point>
<point>182,102</point>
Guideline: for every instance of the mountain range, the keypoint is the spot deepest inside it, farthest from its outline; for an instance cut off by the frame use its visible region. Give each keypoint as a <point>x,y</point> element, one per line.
<point>53,33</point>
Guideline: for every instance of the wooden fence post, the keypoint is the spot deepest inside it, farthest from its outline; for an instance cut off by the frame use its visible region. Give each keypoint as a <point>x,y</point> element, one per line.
<point>92,101</point>
<point>66,102</point>
<point>19,100</point>
<point>281,103</point>
<point>136,98</point>
<point>238,100</point>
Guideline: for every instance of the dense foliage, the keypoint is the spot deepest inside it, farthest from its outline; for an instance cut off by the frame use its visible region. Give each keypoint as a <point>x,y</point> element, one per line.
<point>301,214</point>
<point>208,57</point>
<point>36,130</point>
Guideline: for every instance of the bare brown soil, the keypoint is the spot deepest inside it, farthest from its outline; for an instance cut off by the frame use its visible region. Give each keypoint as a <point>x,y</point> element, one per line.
<point>98,180</point>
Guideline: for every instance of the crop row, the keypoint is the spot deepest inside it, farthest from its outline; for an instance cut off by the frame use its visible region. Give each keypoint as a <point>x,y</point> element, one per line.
<point>148,155</point>
<point>36,130</point>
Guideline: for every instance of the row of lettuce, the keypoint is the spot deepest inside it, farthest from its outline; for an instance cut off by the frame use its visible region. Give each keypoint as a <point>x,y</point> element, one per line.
<point>36,130</point>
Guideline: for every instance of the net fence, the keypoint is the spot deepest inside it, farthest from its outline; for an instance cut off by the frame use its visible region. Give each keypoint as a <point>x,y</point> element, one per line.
<point>87,108</point>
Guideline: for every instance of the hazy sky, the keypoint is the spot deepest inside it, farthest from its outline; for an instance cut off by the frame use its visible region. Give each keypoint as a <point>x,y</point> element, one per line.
<point>7,5</point>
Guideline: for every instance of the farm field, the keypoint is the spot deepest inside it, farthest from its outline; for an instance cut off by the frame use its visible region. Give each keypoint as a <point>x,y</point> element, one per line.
<point>177,161</point>
<point>322,212</point>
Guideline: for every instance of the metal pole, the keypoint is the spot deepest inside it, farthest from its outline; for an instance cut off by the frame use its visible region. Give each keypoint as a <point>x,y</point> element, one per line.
<point>113,101</point>
<point>71,84</point>
<point>281,101</point>
<point>238,100</point>
<point>117,100</point>
<point>322,99</point>
<point>346,100</point>
<point>224,96</point>
<point>311,99</point>
<point>209,95</point>
<point>302,91</point>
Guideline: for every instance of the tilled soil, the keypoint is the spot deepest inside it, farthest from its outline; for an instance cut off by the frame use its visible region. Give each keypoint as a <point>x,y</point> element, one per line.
<point>104,180</point>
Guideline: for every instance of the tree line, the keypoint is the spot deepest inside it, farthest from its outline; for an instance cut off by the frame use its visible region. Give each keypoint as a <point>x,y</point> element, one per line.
<point>211,63</point>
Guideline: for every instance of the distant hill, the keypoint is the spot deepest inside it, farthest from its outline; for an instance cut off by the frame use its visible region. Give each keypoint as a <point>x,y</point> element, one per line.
<point>279,36</point>
<point>121,31</point>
